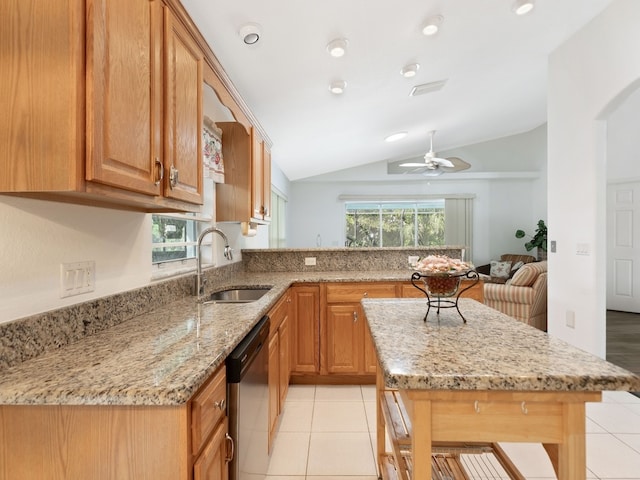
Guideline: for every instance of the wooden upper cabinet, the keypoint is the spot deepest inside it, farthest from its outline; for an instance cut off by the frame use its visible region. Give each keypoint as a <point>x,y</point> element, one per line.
<point>124,94</point>
<point>42,126</point>
<point>184,63</point>
<point>257,172</point>
<point>101,103</point>
<point>242,196</point>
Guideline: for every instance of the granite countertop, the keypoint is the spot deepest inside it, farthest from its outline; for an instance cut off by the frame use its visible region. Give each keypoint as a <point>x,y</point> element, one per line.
<point>490,352</point>
<point>161,357</point>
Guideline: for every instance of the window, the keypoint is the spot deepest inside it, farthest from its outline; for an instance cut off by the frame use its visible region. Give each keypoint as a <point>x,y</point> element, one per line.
<point>277,228</point>
<point>430,221</point>
<point>174,238</point>
<point>395,224</point>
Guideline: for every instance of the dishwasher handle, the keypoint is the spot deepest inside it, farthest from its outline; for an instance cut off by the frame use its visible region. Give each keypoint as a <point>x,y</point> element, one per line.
<point>230,446</point>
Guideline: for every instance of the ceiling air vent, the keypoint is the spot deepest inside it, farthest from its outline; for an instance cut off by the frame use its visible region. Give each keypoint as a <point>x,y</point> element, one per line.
<point>427,88</point>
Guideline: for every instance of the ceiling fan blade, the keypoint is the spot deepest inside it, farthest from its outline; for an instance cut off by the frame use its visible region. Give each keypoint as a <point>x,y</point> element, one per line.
<point>413,164</point>
<point>457,164</point>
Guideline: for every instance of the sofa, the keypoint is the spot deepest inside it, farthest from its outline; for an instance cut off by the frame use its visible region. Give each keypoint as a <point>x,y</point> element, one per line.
<point>523,296</point>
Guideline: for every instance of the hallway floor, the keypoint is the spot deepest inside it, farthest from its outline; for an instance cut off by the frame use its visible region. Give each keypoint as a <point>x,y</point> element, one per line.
<point>623,339</point>
<point>328,432</point>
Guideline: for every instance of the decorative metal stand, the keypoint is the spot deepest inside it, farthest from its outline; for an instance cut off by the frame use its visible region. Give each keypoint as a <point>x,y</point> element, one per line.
<point>445,288</point>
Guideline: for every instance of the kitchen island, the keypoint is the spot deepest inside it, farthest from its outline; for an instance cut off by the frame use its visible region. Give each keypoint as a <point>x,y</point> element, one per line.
<point>493,379</point>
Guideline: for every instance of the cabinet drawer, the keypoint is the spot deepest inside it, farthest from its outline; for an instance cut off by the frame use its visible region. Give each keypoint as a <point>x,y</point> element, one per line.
<point>354,292</point>
<point>207,408</point>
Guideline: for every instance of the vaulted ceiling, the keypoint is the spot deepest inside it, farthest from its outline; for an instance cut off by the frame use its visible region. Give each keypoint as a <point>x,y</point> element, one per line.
<point>493,61</point>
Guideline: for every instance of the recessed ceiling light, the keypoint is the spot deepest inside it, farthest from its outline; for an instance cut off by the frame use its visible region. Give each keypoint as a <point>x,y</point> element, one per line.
<point>338,47</point>
<point>395,137</point>
<point>337,87</point>
<point>432,25</point>
<point>250,33</point>
<point>522,7</point>
<point>411,70</point>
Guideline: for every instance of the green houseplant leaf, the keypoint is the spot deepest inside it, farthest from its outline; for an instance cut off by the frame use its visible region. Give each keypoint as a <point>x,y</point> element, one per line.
<point>539,239</point>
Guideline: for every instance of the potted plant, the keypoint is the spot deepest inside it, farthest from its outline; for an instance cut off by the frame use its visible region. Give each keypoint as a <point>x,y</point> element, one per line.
<point>539,240</point>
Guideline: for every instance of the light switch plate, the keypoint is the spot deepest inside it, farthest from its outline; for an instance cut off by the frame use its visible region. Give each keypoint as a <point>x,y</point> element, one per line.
<point>77,278</point>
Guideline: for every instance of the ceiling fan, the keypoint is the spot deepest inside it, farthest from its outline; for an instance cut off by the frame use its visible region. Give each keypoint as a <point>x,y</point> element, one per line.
<point>433,165</point>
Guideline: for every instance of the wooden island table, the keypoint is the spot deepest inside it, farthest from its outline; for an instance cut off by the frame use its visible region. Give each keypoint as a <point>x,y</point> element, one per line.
<point>446,386</point>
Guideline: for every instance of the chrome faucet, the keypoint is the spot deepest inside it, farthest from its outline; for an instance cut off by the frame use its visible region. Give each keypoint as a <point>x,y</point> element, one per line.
<point>228,254</point>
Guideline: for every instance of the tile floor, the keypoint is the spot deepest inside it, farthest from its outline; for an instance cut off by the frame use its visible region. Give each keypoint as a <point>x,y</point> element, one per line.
<point>328,432</point>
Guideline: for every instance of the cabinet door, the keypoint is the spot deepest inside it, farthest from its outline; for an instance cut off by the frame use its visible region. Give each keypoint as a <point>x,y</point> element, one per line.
<point>183,113</point>
<point>124,93</point>
<point>274,383</point>
<point>257,173</point>
<point>344,338</point>
<point>285,360</point>
<point>305,339</point>
<point>213,462</point>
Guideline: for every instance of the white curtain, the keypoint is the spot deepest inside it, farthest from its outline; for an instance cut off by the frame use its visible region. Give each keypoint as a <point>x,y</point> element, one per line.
<point>458,228</point>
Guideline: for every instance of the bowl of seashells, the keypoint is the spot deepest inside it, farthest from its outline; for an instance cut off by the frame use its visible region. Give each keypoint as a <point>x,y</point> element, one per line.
<point>441,274</point>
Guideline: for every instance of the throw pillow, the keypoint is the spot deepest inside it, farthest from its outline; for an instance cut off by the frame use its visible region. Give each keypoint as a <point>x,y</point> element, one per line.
<point>526,275</point>
<point>515,268</point>
<point>500,269</point>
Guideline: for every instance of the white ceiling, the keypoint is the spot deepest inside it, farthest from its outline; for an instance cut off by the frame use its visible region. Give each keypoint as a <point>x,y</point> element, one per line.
<point>495,64</point>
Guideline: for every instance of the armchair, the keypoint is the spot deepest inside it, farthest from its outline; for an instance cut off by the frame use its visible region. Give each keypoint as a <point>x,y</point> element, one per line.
<point>523,297</point>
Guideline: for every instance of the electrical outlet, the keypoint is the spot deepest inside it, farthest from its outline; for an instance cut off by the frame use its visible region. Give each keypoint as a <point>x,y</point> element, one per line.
<point>570,317</point>
<point>310,261</point>
<point>77,278</point>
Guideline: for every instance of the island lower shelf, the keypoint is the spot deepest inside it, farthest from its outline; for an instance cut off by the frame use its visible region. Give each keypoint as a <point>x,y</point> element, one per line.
<point>449,460</point>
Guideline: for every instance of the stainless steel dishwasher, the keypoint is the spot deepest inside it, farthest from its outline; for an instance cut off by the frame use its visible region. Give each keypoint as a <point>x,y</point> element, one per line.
<point>248,396</point>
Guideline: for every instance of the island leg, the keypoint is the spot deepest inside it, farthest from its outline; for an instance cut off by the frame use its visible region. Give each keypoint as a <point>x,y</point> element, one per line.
<point>421,439</point>
<point>572,455</point>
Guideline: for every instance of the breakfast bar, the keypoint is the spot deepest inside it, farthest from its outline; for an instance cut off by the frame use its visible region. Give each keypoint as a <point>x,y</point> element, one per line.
<point>491,379</point>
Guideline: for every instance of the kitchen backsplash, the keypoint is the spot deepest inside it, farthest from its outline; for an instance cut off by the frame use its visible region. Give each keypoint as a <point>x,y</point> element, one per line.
<point>31,336</point>
<point>339,259</point>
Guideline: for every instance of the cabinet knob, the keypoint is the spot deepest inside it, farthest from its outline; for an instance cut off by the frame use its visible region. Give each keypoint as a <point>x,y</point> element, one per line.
<point>160,176</point>
<point>220,404</point>
<point>355,316</point>
<point>366,294</point>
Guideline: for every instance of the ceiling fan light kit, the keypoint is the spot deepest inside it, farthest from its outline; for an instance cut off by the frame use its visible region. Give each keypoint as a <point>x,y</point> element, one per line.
<point>522,7</point>
<point>338,47</point>
<point>432,25</point>
<point>433,166</point>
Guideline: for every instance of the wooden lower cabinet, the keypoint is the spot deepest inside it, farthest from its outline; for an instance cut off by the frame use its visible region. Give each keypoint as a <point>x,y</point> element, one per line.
<point>212,464</point>
<point>118,442</point>
<point>346,344</point>
<point>274,391</point>
<point>305,329</point>
<point>279,361</point>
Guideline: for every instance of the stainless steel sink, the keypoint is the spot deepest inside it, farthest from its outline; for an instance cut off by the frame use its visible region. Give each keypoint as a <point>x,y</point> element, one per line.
<point>238,295</point>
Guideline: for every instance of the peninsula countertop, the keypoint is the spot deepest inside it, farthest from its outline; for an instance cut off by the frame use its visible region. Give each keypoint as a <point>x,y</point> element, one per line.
<point>160,357</point>
<point>490,352</point>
